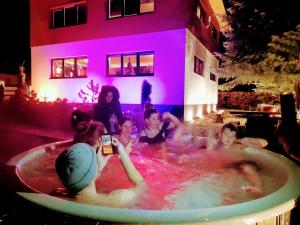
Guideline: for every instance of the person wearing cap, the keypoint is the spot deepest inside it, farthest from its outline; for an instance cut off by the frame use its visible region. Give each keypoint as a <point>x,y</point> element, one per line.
<point>77,170</point>
<point>90,132</point>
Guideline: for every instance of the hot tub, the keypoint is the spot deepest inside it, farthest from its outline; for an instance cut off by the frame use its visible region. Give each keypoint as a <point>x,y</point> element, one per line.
<point>273,208</point>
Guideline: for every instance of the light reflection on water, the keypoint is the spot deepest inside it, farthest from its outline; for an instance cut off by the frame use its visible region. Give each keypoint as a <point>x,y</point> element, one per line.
<point>182,177</point>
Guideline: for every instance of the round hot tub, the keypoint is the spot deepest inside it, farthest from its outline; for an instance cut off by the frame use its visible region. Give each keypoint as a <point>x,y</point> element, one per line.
<point>169,173</point>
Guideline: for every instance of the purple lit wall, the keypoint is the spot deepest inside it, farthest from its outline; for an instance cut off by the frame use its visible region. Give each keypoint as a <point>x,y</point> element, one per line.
<point>169,67</point>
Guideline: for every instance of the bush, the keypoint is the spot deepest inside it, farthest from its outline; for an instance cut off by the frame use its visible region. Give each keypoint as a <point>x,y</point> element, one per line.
<point>245,100</point>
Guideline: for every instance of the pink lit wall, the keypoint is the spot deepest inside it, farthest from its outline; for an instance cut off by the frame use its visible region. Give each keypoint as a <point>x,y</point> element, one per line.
<point>169,67</point>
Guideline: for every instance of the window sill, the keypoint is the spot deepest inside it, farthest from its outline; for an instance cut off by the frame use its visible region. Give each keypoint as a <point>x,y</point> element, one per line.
<point>58,78</point>
<point>138,75</point>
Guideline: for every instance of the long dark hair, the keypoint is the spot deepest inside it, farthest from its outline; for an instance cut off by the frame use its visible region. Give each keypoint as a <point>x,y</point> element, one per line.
<point>104,90</point>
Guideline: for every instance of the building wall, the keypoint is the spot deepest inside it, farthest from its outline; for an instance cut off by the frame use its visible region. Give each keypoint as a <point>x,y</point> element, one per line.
<point>167,82</point>
<point>201,28</point>
<point>168,15</point>
<point>200,93</point>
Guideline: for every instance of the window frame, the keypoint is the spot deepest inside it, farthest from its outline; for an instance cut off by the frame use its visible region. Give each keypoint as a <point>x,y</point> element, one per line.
<point>123,10</point>
<point>214,33</point>
<point>63,67</point>
<point>213,77</point>
<point>137,54</point>
<point>63,8</point>
<point>197,59</point>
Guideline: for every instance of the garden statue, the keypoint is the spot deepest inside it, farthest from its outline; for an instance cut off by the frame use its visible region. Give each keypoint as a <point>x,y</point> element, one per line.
<point>1,93</point>
<point>23,92</point>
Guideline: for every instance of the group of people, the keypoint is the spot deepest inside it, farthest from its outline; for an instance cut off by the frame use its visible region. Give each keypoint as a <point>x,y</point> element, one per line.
<point>79,166</point>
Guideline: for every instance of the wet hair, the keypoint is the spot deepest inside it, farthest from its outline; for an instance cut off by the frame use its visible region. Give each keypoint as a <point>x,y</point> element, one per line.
<point>79,116</point>
<point>238,165</point>
<point>148,106</point>
<point>124,119</point>
<point>106,89</point>
<point>149,112</point>
<point>231,127</point>
<point>88,132</point>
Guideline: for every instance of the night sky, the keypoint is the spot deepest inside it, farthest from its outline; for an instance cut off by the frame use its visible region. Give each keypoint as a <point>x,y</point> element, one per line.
<point>15,46</point>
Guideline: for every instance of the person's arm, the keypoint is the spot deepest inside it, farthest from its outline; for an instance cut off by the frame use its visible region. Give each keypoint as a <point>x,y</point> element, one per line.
<point>101,160</point>
<point>131,171</point>
<point>128,147</point>
<point>253,177</point>
<point>174,121</point>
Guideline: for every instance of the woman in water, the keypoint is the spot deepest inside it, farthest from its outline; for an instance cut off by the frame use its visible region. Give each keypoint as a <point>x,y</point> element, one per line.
<point>156,130</point>
<point>125,136</point>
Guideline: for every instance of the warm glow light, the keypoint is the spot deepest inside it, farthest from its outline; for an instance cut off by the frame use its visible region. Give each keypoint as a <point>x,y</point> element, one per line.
<point>47,94</point>
<point>199,111</point>
<point>190,116</point>
<point>58,70</point>
<point>208,109</point>
<point>214,108</point>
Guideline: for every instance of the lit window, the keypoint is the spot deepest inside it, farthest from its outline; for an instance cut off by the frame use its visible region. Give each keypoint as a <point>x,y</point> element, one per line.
<point>57,68</point>
<point>147,6</point>
<point>130,64</point>
<point>129,67</point>
<point>69,67</point>
<point>198,66</point>
<point>114,65</point>
<point>81,66</point>
<point>146,63</point>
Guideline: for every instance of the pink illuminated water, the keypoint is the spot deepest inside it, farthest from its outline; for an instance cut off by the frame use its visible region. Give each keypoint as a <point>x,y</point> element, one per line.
<point>178,177</point>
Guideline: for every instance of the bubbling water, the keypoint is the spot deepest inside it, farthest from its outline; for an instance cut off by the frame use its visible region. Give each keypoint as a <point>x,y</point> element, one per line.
<point>178,177</point>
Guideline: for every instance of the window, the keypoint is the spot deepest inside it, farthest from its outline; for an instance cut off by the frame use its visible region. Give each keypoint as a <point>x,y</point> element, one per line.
<point>68,15</point>
<point>115,8</point>
<point>114,65</point>
<point>198,12</point>
<point>69,67</point>
<point>198,66</point>
<point>147,6</point>
<point>146,63</point>
<point>134,64</point>
<point>120,8</point>
<point>212,76</point>
<point>214,33</point>
<point>130,64</point>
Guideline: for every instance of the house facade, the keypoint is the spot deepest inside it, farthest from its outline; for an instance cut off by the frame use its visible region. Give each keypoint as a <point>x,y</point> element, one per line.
<point>169,43</point>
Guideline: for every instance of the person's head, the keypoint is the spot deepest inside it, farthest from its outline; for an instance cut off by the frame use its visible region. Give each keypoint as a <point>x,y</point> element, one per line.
<point>77,167</point>
<point>228,134</point>
<point>79,116</point>
<point>108,95</point>
<point>89,132</point>
<point>151,117</point>
<point>126,126</point>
